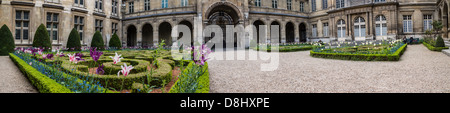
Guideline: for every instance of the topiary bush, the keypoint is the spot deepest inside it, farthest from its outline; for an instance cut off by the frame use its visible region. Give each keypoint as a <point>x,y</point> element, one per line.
<point>6,41</point>
<point>115,42</point>
<point>97,41</point>
<point>74,40</point>
<point>439,42</point>
<point>41,38</point>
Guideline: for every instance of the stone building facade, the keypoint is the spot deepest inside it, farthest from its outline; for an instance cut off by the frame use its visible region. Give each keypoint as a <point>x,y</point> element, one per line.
<point>147,22</point>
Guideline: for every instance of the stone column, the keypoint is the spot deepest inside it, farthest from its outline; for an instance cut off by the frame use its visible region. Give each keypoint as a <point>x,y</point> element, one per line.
<point>138,35</point>
<point>155,35</point>
<point>283,32</point>
<point>296,32</point>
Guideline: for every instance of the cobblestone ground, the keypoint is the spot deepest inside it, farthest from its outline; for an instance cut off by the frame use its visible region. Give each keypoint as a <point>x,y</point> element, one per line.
<point>418,71</point>
<point>12,80</point>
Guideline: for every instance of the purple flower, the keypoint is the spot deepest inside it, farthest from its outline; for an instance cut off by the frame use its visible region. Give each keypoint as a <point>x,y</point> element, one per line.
<point>49,56</point>
<point>95,54</point>
<point>200,54</point>
<point>79,57</point>
<point>100,70</point>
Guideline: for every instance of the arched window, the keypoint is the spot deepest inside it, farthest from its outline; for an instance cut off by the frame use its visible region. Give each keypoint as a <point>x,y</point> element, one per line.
<point>360,27</point>
<point>341,28</point>
<point>380,26</point>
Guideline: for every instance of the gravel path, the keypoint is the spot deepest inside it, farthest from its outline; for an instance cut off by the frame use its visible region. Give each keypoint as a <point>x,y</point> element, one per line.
<point>12,80</point>
<point>418,71</point>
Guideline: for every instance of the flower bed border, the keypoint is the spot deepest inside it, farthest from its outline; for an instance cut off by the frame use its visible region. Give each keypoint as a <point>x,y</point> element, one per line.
<point>432,48</point>
<point>362,57</point>
<point>285,49</point>
<point>203,80</point>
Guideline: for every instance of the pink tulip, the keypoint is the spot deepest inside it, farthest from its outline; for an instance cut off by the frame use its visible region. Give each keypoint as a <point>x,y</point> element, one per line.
<point>125,70</point>
<point>116,59</point>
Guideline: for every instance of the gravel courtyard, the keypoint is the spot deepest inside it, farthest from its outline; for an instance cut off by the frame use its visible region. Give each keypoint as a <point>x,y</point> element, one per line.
<point>418,71</point>
<point>12,80</point>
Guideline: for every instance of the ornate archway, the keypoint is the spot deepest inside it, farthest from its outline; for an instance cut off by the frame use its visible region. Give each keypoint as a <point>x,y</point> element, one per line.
<point>223,14</point>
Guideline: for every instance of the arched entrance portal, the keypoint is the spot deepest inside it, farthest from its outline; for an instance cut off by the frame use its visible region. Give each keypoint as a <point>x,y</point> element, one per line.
<point>147,35</point>
<point>131,36</point>
<point>223,15</point>
<point>302,32</point>
<point>257,34</point>
<point>165,30</point>
<point>290,34</point>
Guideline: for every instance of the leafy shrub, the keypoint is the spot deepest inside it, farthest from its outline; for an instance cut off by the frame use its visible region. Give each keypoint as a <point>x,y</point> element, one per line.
<point>115,42</point>
<point>74,40</point>
<point>97,41</point>
<point>41,38</point>
<point>439,42</point>
<point>432,48</point>
<point>362,57</point>
<point>6,41</point>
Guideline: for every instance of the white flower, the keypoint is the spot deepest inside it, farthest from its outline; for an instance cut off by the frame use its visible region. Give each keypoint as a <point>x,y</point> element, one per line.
<point>116,59</point>
<point>125,70</point>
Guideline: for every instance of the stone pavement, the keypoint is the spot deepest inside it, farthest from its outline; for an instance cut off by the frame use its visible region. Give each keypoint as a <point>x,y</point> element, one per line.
<point>12,80</point>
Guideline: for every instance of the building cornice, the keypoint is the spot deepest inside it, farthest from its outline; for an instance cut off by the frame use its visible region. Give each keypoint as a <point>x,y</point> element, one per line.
<point>160,14</point>
<point>22,3</point>
<point>363,5</point>
<point>280,14</point>
<point>52,6</point>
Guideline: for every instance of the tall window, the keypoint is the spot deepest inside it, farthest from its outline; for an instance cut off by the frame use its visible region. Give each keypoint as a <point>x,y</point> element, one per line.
<point>130,7</point>
<point>313,5</point>
<point>427,21</point>
<point>340,3</point>
<point>22,23</point>
<point>114,28</point>
<point>302,6</point>
<point>52,25</point>
<point>274,3</point>
<point>289,4</point>
<point>79,3</point>
<point>360,27</point>
<point>380,26</point>
<point>99,5</point>
<point>324,4</point>
<point>407,24</point>
<point>164,4</point>
<point>341,28</point>
<point>258,3</point>
<point>99,25</point>
<point>114,7</point>
<point>79,25</point>
<point>184,3</point>
<point>314,30</point>
<point>380,0</point>
<point>325,29</point>
<point>147,5</point>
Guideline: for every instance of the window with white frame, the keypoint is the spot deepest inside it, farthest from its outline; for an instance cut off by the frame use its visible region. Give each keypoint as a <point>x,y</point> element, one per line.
<point>325,29</point>
<point>114,27</point>
<point>52,25</point>
<point>79,3</point>
<point>380,26</point>
<point>302,6</point>
<point>380,0</point>
<point>164,4</point>
<point>289,4</point>
<point>340,3</point>
<point>274,3</point>
<point>313,5</point>
<point>22,24</point>
<point>99,25</point>
<point>314,30</point>
<point>258,3</point>
<point>114,7</point>
<point>79,25</point>
<point>184,3</point>
<point>360,27</point>
<point>427,22</point>
<point>130,7</point>
<point>99,5</point>
<point>147,5</point>
<point>341,29</point>
<point>407,24</point>
<point>324,4</point>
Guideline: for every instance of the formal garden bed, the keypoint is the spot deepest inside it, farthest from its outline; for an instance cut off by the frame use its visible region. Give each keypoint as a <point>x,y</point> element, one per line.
<point>292,47</point>
<point>365,51</point>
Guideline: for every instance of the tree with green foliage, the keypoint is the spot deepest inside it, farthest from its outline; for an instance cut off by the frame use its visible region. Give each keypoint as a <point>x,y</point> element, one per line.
<point>437,27</point>
<point>41,38</point>
<point>74,41</point>
<point>439,42</point>
<point>6,41</point>
<point>115,42</point>
<point>97,41</point>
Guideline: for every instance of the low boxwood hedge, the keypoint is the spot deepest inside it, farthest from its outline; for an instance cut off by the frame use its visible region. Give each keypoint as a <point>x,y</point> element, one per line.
<point>432,48</point>
<point>362,57</point>
<point>43,83</point>
<point>203,80</point>
<point>285,48</point>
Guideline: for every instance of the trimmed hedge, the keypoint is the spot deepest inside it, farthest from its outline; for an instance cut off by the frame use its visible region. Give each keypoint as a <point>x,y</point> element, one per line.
<point>74,40</point>
<point>432,48</point>
<point>362,57</point>
<point>43,83</point>
<point>41,38</point>
<point>286,48</point>
<point>115,42</point>
<point>6,41</point>
<point>203,81</point>
<point>97,41</point>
